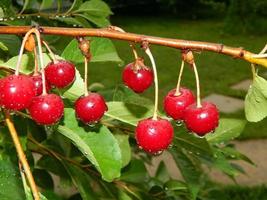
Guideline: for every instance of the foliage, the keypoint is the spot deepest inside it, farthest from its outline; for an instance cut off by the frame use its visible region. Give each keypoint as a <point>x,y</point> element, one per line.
<point>101,162</point>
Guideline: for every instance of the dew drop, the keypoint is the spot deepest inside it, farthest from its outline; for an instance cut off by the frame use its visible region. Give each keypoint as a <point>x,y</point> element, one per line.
<point>1,19</point>
<point>179,122</point>
<point>91,124</point>
<point>232,156</point>
<point>170,146</point>
<point>38,16</point>
<point>157,153</point>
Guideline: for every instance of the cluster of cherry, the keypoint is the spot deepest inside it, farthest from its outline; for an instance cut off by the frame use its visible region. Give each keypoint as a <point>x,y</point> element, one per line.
<point>19,92</point>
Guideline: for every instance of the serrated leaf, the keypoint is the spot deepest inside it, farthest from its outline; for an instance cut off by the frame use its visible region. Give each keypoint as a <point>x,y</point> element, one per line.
<point>189,169</point>
<point>99,21</point>
<point>94,7</point>
<point>256,100</point>
<point>76,89</point>
<point>75,5</point>
<point>102,50</point>
<point>123,141</point>
<point>10,182</point>
<point>228,130</point>
<point>81,180</point>
<point>135,172</point>
<point>234,154</point>
<point>46,4</point>
<point>27,62</point>
<point>127,113</point>
<point>107,160</point>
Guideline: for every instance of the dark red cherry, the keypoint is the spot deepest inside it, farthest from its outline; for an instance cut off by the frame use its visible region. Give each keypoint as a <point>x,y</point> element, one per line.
<point>91,108</point>
<point>154,136</point>
<point>46,109</point>
<point>16,92</point>
<point>137,79</point>
<point>60,74</point>
<point>201,120</point>
<point>38,84</point>
<point>175,106</point>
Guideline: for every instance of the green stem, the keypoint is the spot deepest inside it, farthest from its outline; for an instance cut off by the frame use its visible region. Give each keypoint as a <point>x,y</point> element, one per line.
<point>177,92</point>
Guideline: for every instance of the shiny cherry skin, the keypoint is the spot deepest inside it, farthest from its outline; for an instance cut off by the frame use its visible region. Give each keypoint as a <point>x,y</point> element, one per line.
<point>175,106</point>
<point>91,108</point>
<point>46,109</point>
<point>201,120</point>
<point>16,92</point>
<point>154,136</point>
<point>38,84</point>
<point>60,74</point>
<point>138,80</point>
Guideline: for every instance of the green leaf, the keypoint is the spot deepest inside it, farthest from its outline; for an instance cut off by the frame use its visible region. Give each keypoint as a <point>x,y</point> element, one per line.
<point>123,141</point>
<point>94,7</point>
<point>175,185</point>
<point>76,89</point>
<point>3,46</point>
<point>135,172</point>
<point>75,5</point>
<point>46,4</point>
<point>162,172</point>
<point>235,155</point>
<point>10,43</point>
<point>127,113</point>
<point>190,170</point>
<point>193,144</point>
<point>228,130</point>
<point>27,62</point>
<point>102,50</point>
<point>99,21</point>
<point>81,180</point>
<point>100,147</point>
<point>10,182</point>
<point>256,100</point>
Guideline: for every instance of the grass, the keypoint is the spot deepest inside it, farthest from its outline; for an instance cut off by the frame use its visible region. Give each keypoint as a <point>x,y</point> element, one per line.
<point>217,72</point>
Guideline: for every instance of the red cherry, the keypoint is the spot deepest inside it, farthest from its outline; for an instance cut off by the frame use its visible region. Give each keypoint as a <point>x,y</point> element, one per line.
<point>60,74</point>
<point>46,109</point>
<point>137,79</point>
<point>175,106</point>
<point>38,84</point>
<point>201,120</point>
<point>16,92</point>
<point>90,109</point>
<point>154,136</point>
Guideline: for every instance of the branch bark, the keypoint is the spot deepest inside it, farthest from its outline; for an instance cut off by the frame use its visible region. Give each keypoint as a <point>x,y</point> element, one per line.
<point>136,38</point>
<point>21,155</point>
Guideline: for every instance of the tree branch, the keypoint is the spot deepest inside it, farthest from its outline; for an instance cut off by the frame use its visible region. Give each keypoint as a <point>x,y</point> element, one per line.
<point>21,155</point>
<point>136,38</point>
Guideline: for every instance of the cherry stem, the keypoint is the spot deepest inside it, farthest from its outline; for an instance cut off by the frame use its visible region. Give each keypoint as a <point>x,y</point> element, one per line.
<point>198,86</point>
<point>50,51</point>
<point>253,70</point>
<point>85,76</point>
<point>21,155</point>
<point>36,67</point>
<point>177,92</point>
<point>134,51</point>
<point>148,52</point>
<point>22,50</point>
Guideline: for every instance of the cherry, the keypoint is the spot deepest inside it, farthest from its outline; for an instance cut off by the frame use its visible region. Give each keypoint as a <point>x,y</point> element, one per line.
<point>137,77</point>
<point>154,136</point>
<point>201,120</point>
<point>90,108</point>
<point>38,84</point>
<point>60,73</point>
<point>17,92</point>
<point>175,106</point>
<point>46,109</point>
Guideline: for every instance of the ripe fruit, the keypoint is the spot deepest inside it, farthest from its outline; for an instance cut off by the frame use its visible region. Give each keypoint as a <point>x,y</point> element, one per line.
<point>38,84</point>
<point>90,109</point>
<point>137,76</point>
<point>175,106</point>
<point>154,136</point>
<point>60,74</point>
<point>46,109</point>
<point>201,120</point>
<point>16,92</point>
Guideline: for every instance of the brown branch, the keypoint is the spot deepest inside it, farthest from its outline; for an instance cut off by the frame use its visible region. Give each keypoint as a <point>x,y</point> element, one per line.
<point>136,38</point>
<point>21,155</point>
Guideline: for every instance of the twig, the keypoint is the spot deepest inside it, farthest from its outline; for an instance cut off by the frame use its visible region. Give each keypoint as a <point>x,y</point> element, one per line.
<point>21,155</point>
<point>136,38</point>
